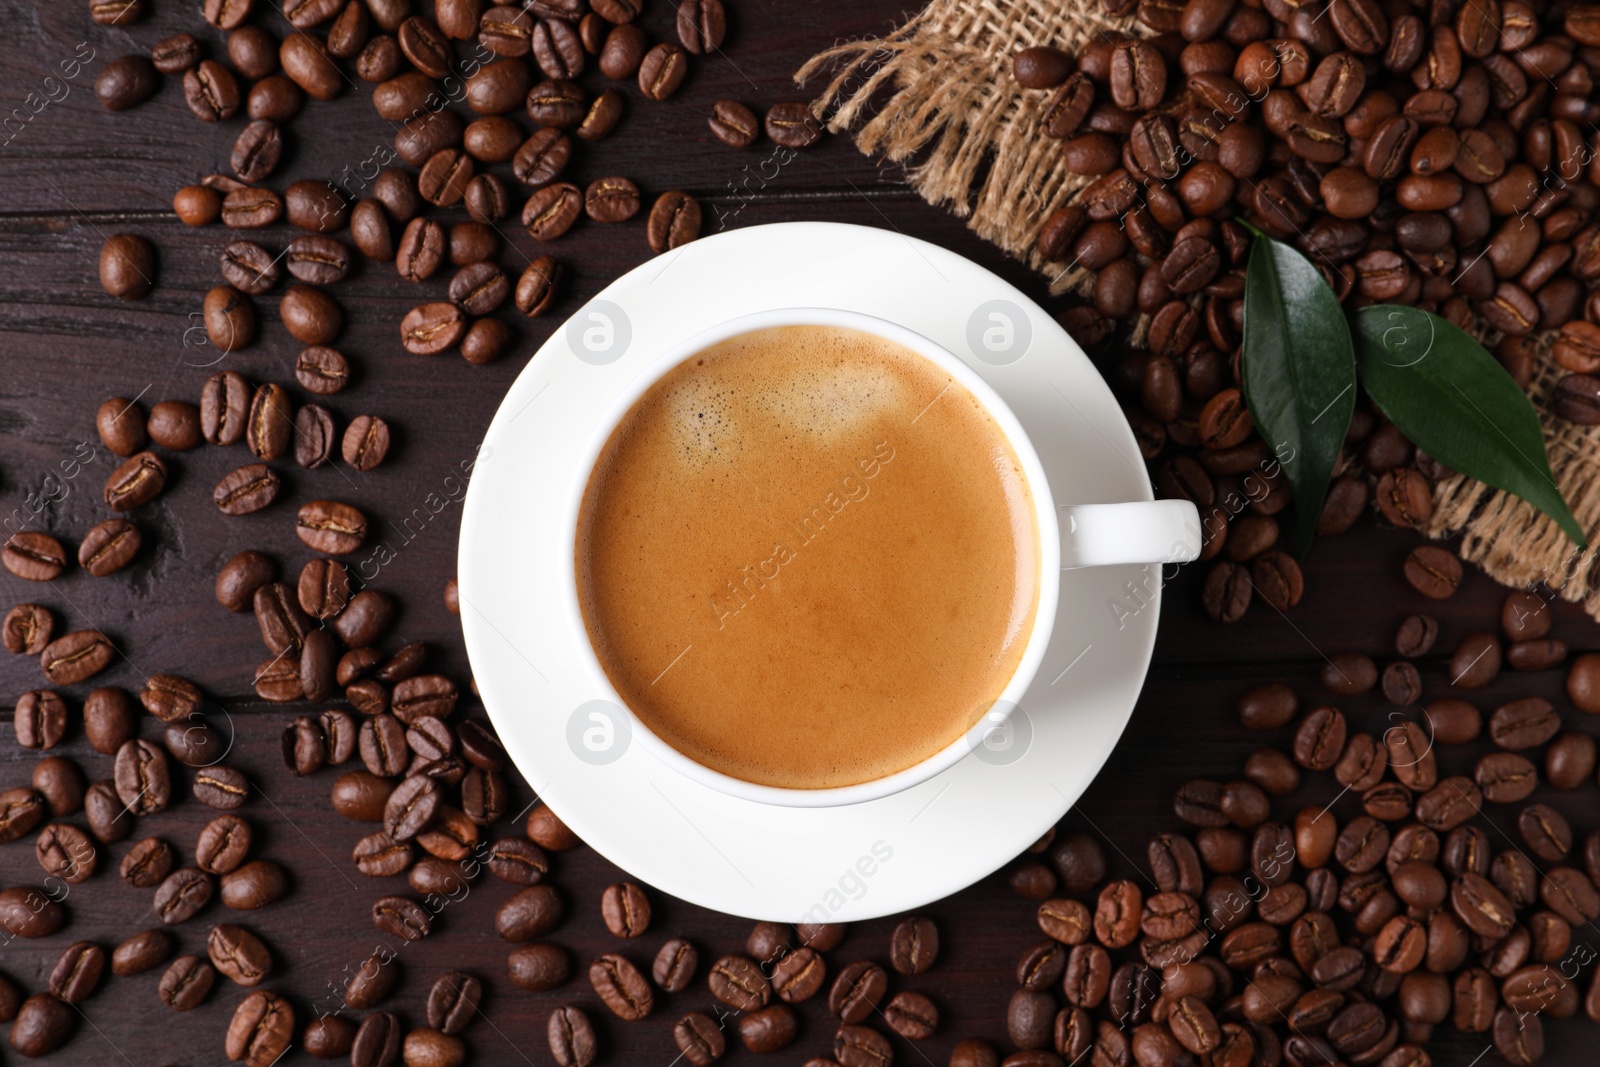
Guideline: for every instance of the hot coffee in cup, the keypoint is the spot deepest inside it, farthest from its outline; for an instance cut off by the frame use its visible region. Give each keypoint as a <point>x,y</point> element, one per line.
<point>808,558</point>
<point>814,551</point>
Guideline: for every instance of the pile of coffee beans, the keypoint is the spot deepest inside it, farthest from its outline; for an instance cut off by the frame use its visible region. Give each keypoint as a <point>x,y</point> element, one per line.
<point>1350,929</point>
<point>496,60</point>
<point>431,781</point>
<point>1435,155</point>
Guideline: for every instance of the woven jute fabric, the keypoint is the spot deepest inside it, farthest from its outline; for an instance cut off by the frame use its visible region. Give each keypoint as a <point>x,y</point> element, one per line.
<point>1509,538</point>
<point>937,96</point>
<point>938,93</point>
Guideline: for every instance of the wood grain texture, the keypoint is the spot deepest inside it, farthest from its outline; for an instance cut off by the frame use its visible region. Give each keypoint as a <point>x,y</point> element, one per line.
<point>73,173</point>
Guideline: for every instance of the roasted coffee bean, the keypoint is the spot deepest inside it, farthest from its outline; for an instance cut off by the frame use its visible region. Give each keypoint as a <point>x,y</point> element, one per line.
<point>674,221</point>
<point>27,629</point>
<point>186,983</point>
<point>1349,673</point>
<point>1432,571</point>
<point>676,961</point>
<point>65,852</point>
<point>529,914</point>
<point>283,625</point>
<point>249,208</point>
<point>429,329</point>
<point>141,952</point>
<point>365,619</point>
<point>175,424</point>
<point>1416,635</point>
<point>536,287</point>
<point>1570,894</point>
<point>1227,592</point>
<point>1117,914</point>
<point>34,556</point>
<point>107,816</point>
<point>1524,723</point>
<point>620,986</point>
<point>1450,803</point>
<point>331,526</point>
<point>699,1039</point>
<point>1267,707</point>
<point>43,1024</point>
<point>911,1015</point>
<point>224,408</point>
<point>432,1048</point>
<point>39,719</point>
<point>328,1037</point>
<point>1319,741</point>
<point>571,1037</point>
<point>246,490</point>
<point>182,894</point>
<point>1476,661</point>
<point>421,250</point>
<point>1088,976</point>
<point>741,984</point>
<point>372,982</point>
<point>261,1030</point>
<point>196,205</point>
<point>223,845</point>
<point>127,266</point>
<point>662,70</point>
<point>483,794</point>
<point>1570,760</point>
<point>129,81</point>
<point>61,783</point>
<point>142,778</point>
<point>310,315</point>
<point>625,909</point>
<point>317,260</point>
<point>1482,907</point>
<point>366,439</point>
<point>861,1046</point>
<point>401,917</point>
<point>254,885</point>
<point>360,795</point>
<point>1506,777</point>
<point>768,940</point>
<point>221,787</point>
<point>792,125</point>
<point>539,967</point>
<point>379,856</point>
<point>170,698</point>
<point>731,122</point>
<point>604,112</point>
<point>611,200</point>
<point>323,590</point>
<point>238,954</point>
<point>229,319</point>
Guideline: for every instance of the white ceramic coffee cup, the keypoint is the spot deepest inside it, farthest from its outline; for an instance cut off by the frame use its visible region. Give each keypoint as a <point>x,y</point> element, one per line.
<point>1071,536</point>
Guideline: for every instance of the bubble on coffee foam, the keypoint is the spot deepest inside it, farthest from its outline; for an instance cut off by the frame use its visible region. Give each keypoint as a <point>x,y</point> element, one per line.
<point>827,398</point>
<point>702,419</point>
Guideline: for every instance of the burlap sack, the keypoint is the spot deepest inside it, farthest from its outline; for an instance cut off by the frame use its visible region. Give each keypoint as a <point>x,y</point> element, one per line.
<point>938,93</point>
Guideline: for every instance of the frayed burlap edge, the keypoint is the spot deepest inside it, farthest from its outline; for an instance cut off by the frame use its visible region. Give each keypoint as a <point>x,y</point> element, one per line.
<point>940,88</point>
<point>1515,543</point>
<point>948,72</point>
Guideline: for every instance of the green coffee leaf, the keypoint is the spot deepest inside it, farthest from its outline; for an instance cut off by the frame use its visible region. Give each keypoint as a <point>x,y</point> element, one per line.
<point>1455,401</point>
<point>1299,373</point>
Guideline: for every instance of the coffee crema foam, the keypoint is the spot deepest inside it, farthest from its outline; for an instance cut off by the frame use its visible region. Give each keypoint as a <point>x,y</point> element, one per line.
<point>808,557</point>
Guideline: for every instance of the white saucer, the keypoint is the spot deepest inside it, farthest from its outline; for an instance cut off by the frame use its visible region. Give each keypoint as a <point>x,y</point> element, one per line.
<point>750,859</point>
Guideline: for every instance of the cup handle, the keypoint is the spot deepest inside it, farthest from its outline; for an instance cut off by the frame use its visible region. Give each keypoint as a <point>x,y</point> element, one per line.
<point>1140,531</point>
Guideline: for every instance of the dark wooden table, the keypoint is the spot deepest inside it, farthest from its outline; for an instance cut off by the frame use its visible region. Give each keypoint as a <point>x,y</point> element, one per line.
<point>72,173</point>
